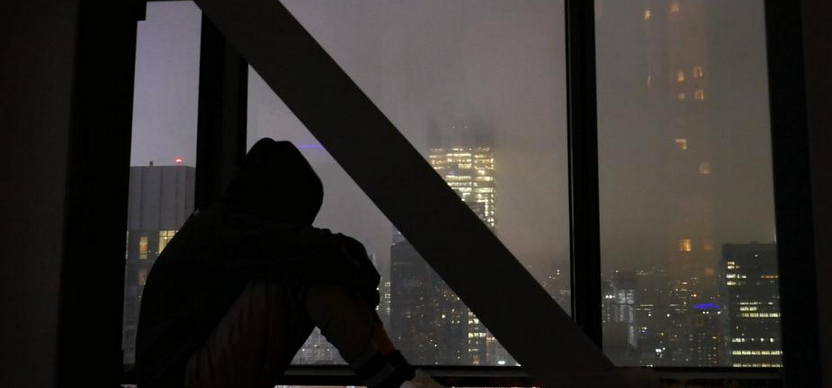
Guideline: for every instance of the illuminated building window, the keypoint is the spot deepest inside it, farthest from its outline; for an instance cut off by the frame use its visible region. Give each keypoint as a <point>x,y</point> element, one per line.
<point>143,248</point>
<point>164,238</point>
<point>681,96</point>
<point>697,72</point>
<point>647,14</point>
<point>649,81</point>
<point>674,8</point>
<point>680,76</point>
<point>705,168</point>
<point>684,245</point>
<point>682,144</point>
<point>699,94</point>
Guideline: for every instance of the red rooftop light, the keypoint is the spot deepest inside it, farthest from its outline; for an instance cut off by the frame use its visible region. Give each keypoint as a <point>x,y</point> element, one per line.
<point>178,160</point>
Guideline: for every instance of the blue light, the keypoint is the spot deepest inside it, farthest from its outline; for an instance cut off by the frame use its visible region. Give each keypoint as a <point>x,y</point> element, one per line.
<point>705,306</point>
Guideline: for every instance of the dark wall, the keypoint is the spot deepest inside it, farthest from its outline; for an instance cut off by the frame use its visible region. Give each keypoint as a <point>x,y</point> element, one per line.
<point>818,45</point>
<point>37,45</point>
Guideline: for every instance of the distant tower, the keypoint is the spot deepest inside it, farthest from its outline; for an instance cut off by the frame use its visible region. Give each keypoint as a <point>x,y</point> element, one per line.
<point>161,199</point>
<point>428,320</point>
<point>414,322</point>
<point>751,289</point>
<point>469,170</point>
<point>706,335</point>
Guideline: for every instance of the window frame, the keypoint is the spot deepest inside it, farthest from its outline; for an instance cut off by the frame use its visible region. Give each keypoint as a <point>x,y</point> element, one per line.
<point>224,142</point>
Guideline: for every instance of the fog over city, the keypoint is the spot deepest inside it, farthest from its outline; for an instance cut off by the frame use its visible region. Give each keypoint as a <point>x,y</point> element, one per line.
<point>498,68</point>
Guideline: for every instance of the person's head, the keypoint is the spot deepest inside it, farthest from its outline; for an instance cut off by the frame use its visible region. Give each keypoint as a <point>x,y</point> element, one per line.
<point>275,181</point>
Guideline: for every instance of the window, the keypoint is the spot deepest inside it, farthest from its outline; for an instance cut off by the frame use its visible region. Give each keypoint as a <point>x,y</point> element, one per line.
<point>143,248</point>
<point>163,152</point>
<point>481,96</point>
<point>705,168</point>
<point>624,330</point>
<point>684,238</point>
<point>164,238</point>
<point>685,245</point>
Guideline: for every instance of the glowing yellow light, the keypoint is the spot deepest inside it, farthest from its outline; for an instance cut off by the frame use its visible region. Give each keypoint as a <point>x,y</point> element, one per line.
<point>697,72</point>
<point>685,245</point>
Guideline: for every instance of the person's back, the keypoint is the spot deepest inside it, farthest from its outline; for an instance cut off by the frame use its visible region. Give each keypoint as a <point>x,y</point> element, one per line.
<point>256,251</point>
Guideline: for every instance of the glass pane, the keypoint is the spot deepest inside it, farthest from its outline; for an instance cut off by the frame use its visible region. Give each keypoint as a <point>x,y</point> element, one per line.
<point>163,153</point>
<point>687,210</point>
<point>478,87</point>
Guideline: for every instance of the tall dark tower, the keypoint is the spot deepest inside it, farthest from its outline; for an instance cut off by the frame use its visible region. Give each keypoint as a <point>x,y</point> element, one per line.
<point>751,289</point>
<point>676,85</point>
<point>428,320</point>
<point>413,319</point>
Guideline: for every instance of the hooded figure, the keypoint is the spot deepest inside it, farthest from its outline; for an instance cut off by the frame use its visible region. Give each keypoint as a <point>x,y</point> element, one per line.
<point>261,230</point>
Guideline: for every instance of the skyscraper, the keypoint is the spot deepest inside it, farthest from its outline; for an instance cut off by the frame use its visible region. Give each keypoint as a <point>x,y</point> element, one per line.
<point>161,199</point>
<point>428,321</point>
<point>469,170</point>
<point>751,289</point>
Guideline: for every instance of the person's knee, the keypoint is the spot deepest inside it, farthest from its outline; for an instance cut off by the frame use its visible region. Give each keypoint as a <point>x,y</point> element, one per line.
<point>343,318</point>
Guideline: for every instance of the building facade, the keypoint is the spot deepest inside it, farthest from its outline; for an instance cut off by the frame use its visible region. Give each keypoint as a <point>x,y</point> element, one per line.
<point>751,289</point>
<point>161,199</point>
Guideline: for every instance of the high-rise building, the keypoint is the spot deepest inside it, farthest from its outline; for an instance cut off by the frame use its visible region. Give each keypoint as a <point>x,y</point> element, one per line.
<point>706,340</point>
<point>413,317</point>
<point>428,321</point>
<point>749,273</point>
<point>652,321</point>
<point>161,199</point>
<point>671,75</point>
<point>470,172</point>
<point>620,339</point>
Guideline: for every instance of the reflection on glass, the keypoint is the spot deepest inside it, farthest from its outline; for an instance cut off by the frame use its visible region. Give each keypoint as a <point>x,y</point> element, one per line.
<point>163,145</point>
<point>478,88</point>
<point>689,262</point>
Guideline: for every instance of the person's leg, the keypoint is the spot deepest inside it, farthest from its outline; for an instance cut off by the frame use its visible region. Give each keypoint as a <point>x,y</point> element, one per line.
<point>355,330</point>
<point>255,341</point>
<point>269,322</point>
<point>382,340</point>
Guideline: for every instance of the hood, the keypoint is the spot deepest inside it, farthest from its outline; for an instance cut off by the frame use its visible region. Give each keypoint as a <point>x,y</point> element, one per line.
<point>275,181</point>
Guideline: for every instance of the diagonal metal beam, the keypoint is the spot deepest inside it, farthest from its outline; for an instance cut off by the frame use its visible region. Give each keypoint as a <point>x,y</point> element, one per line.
<point>474,263</point>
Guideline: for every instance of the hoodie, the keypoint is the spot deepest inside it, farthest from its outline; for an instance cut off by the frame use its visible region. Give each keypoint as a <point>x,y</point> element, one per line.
<point>261,229</point>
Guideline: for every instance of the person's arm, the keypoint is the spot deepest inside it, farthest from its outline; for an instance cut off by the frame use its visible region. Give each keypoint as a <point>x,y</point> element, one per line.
<point>300,254</point>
